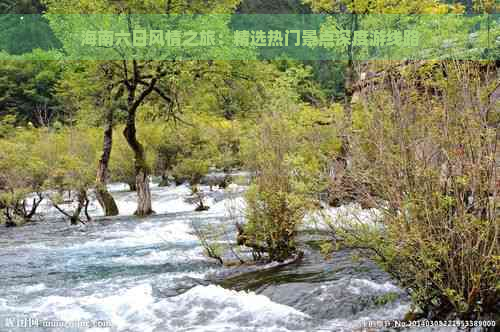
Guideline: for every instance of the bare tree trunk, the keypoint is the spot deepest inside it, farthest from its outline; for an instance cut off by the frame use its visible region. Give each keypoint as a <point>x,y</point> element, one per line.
<point>141,169</point>
<point>131,184</point>
<point>349,80</point>
<point>34,206</point>
<point>343,159</point>
<point>143,192</point>
<point>105,199</point>
<point>83,202</point>
<point>164,182</point>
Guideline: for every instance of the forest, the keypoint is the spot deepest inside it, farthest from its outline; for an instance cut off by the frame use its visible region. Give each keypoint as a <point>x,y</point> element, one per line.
<point>285,143</point>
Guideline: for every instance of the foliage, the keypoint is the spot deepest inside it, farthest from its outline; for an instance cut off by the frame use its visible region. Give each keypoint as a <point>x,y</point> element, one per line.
<point>24,33</point>
<point>429,154</point>
<point>71,156</point>
<point>421,140</point>
<point>121,165</point>
<point>22,172</point>
<point>379,6</point>
<point>283,153</point>
<point>27,91</point>
<point>39,161</point>
<point>7,125</point>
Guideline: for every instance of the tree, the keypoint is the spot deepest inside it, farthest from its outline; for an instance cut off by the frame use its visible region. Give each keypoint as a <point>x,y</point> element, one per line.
<point>105,199</point>
<point>136,80</point>
<point>351,16</point>
<point>138,87</point>
<point>23,28</point>
<point>287,162</point>
<point>71,155</point>
<point>22,174</point>
<point>121,164</point>
<point>89,102</point>
<point>21,7</point>
<point>27,91</point>
<point>194,158</point>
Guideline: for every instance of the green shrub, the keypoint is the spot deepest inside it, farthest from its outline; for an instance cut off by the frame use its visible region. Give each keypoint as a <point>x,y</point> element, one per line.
<point>287,175</point>
<point>431,160</point>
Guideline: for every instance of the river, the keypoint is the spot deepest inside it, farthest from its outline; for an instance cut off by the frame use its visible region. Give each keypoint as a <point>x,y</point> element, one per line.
<point>151,275</point>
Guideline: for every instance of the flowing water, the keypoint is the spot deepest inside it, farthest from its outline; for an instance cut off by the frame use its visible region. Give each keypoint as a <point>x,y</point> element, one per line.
<point>151,275</point>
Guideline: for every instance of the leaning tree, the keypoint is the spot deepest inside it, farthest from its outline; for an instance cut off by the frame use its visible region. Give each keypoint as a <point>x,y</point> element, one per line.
<point>134,80</point>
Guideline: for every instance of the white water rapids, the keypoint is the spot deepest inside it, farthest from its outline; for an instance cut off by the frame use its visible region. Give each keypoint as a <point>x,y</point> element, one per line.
<point>150,275</point>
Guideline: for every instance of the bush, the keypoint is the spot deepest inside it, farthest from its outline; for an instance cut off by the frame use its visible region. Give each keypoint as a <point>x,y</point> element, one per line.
<point>287,175</point>
<point>33,161</point>
<point>22,172</point>
<point>429,152</point>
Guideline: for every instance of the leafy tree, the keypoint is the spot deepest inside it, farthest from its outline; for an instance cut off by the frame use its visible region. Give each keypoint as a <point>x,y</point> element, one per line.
<point>70,156</point>
<point>121,164</point>
<point>194,159</point>
<point>27,91</point>
<point>21,7</point>
<point>354,21</point>
<point>22,173</point>
<point>88,101</point>
<point>137,80</point>
<point>287,161</point>
<point>7,126</point>
<point>24,33</point>
<point>23,29</point>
